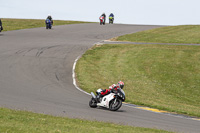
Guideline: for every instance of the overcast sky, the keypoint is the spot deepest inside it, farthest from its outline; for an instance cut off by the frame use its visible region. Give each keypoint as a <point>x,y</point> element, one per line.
<point>153,12</point>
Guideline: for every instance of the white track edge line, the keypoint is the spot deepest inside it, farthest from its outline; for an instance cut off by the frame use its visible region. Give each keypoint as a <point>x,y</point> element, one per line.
<point>74,77</point>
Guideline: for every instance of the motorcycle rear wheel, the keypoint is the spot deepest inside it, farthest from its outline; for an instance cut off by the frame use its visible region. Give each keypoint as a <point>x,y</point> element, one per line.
<point>115,106</point>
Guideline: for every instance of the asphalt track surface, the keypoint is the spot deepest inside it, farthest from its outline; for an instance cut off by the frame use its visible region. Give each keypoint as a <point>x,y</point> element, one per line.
<point>36,75</point>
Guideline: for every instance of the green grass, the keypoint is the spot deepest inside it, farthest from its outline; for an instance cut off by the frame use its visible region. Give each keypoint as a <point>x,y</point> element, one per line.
<point>171,34</point>
<point>12,121</point>
<point>17,24</point>
<point>161,76</point>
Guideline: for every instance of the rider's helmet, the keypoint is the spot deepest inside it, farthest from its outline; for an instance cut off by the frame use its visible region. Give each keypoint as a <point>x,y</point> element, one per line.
<point>121,84</point>
<point>49,16</point>
<point>99,91</point>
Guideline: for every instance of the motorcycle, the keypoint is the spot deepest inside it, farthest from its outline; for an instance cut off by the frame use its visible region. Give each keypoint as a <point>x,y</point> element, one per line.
<point>111,19</point>
<point>1,28</point>
<point>102,20</point>
<point>112,101</point>
<point>48,23</point>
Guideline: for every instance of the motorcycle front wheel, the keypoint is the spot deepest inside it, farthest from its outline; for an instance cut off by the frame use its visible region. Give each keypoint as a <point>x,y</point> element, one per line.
<point>93,103</point>
<point>115,104</point>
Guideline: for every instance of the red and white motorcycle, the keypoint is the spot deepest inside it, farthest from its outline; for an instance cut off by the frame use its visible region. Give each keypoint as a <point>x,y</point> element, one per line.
<point>102,20</point>
<point>112,101</point>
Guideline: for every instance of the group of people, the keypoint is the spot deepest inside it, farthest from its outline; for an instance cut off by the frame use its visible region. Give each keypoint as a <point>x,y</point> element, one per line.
<point>111,17</point>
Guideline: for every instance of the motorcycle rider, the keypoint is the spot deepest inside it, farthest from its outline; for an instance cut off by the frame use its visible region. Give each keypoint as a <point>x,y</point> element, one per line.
<point>1,24</point>
<point>112,88</point>
<point>104,15</point>
<point>111,16</point>
<point>50,18</point>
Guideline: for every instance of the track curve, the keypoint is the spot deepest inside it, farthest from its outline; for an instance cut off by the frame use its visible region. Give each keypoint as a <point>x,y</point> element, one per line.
<point>36,75</point>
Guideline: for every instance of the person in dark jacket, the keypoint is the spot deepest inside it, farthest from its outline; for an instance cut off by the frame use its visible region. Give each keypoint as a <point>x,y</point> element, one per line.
<point>1,25</point>
<point>50,18</point>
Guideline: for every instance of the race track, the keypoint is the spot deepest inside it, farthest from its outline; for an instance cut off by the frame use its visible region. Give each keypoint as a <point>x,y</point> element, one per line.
<point>36,75</point>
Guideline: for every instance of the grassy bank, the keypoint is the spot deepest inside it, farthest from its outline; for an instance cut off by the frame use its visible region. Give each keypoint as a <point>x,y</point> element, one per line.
<point>17,24</point>
<point>23,122</point>
<point>171,34</point>
<point>160,76</point>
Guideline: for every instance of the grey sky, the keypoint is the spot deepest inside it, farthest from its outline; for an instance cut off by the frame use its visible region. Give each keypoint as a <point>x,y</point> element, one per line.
<point>155,12</point>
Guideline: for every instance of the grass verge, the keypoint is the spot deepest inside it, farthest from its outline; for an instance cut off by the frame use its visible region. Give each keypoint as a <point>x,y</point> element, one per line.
<point>17,24</point>
<point>23,122</point>
<point>160,76</point>
<point>189,34</point>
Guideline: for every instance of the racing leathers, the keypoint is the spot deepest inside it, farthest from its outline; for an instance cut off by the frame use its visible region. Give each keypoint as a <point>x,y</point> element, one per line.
<point>1,25</point>
<point>104,15</point>
<point>50,18</point>
<point>111,18</point>
<point>112,88</point>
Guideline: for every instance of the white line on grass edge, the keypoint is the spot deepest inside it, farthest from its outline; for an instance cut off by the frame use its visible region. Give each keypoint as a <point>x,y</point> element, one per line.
<point>74,77</point>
